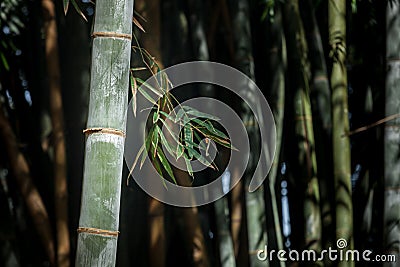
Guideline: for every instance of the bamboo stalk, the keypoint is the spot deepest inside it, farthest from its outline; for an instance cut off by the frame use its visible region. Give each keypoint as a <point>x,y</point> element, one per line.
<point>340,125</point>
<point>193,234</point>
<point>304,158</point>
<point>29,192</point>
<point>276,99</point>
<point>57,121</point>
<point>99,218</point>
<point>320,97</point>
<point>391,231</point>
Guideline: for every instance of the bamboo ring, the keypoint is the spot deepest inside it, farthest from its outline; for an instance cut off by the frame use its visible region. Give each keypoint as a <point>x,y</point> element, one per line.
<point>104,130</point>
<point>112,34</point>
<point>95,231</point>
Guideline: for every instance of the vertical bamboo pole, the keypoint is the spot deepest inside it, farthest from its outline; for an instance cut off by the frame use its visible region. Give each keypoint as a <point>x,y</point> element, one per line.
<point>340,125</point>
<point>391,234</point>
<point>99,218</point>
<point>57,122</point>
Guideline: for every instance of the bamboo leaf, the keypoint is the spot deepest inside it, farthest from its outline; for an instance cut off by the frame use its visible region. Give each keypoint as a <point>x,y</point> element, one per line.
<point>147,96</point>
<point>155,91</point>
<point>4,60</point>
<point>165,163</point>
<point>188,166</point>
<point>167,115</point>
<point>188,138</point>
<point>156,116</point>
<point>65,5</point>
<point>212,130</point>
<point>200,158</point>
<point>156,165</point>
<point>141,150</point>
<point>154,141</point>
<point>196,113</point>
<point>137,23</point>
<point>165,142</point>
<point>179,115</point>
<point>78,9</point>
<point>179,151</point>
<point>138,69</point>
<point>173,135</point>
<point>134,93</point>
<point>222,142</point>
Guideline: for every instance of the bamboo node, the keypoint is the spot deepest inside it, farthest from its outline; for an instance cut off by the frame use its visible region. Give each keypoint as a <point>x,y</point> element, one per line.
<point>95,231</point>
<point>104,130</point>
<point>112,34</point>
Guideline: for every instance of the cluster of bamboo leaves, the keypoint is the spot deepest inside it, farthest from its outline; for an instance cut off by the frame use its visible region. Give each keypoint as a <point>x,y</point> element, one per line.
<point>10,20</point>
<point>197,130</point>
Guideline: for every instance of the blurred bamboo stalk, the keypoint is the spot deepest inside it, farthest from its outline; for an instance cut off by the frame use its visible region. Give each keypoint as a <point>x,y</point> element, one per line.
<point>193,233</point>
<point>151,41</point>
<point>275,93</point>
<point>58,139</point>
<point>304,159</point>
<point>243,61</point>
<point>29,192</point>
<point>391,231</point>
<point>320,97</point>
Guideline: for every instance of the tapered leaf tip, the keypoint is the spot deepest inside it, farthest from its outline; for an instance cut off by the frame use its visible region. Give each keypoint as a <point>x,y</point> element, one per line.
<point>66,5</point>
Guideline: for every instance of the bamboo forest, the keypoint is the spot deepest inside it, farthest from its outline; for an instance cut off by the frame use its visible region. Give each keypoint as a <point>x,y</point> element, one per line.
<point>204,133</point>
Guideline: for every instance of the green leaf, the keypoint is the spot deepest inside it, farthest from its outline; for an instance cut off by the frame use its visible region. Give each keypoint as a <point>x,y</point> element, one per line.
<point>165,163</point>
<point>179,115</point>
<point>222,142</point>
<point>156,116</point>
<point>155,139</point>
<point>65,4</point>
<point>196,113</point>
<point>179,151</point>
<point>188,167</point>
<point>167,115</point>
<point>212,130</point>
<point>165,142</point>
<point>215,130</point>
<point>147,96</point>
<point>4,60</point>
<point>188,138</point>
<point>158,168</point>
<point>200,158</point>
<point>173,135</point>
<point>192,144</point>
<point>155,91</point>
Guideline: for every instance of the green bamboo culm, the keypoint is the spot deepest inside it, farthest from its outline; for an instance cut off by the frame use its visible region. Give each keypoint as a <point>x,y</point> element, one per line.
<point>275,93</point>
<point>99,217</point>
<point>391,225</point>
<point>255,206</point>
<point>320,98</point>
<point>304,157</point>
<point>340,125</point>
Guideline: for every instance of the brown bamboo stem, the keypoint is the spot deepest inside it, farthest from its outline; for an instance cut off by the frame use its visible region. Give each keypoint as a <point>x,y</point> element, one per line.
<point>29,192</point>
<point>57,117</point>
